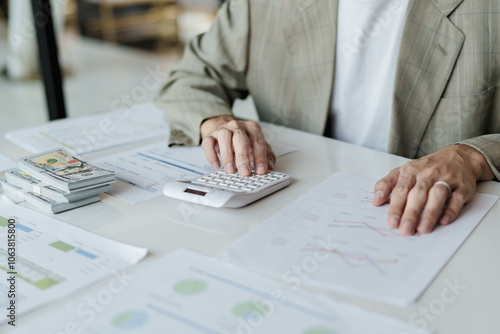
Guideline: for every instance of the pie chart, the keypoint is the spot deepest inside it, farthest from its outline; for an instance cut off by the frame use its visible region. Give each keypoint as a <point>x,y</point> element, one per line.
<point>248,309</point>
<point>190,287</point>
<point>130,320</point>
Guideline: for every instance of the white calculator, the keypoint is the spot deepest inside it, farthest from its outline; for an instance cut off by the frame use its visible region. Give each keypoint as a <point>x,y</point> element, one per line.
<point>219,189</point>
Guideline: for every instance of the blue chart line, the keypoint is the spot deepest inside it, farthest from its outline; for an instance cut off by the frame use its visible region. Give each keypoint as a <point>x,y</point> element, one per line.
<point>183,320</point>
<point>169,163</point>
<point>187,163</point>
<point>374,264</point>
<point>294,306</point>
<point>24,228</point>
<point>86,254</point>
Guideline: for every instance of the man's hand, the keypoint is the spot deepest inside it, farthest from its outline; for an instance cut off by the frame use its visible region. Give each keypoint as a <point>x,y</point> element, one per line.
<point>239,143</point>
<point>417,200</point>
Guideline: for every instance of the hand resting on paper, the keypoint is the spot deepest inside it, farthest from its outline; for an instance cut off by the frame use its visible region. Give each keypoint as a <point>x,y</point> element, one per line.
<point>419,188</point>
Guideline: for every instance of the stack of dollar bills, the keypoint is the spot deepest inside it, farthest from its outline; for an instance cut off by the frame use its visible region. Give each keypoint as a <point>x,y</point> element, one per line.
<point>57,181</point>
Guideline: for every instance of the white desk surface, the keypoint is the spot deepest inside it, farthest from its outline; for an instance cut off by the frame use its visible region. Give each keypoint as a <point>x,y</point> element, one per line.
<point>160,226</point>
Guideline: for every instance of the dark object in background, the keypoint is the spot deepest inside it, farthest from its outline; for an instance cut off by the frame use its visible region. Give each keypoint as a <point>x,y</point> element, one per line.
<point>49,59</point>
<point>4,7</point>
<point>147,24</point>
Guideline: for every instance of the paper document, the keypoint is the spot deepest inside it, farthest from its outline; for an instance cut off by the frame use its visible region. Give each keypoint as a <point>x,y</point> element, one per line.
<point>186,293</point>
<point>334,238</point>
<point>93,133</point>
<point>142,173</point>
<point>52,259</point>
<point>6,163</point>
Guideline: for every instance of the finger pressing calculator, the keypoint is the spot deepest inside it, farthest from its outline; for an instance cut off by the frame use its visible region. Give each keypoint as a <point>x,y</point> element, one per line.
<point>219,189</point>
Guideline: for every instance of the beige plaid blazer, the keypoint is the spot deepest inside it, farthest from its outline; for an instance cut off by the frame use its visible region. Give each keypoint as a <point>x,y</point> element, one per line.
<point>282,52</point>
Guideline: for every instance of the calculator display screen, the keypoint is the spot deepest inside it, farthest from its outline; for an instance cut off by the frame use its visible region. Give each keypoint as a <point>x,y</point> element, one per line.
<point>196,192</point>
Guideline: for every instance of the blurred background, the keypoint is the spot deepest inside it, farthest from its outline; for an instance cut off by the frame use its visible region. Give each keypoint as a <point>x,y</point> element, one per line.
<point>113,53</point>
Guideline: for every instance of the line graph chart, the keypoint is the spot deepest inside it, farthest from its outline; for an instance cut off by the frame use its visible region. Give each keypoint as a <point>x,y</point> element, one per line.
<point>363,223</point>
<point>384,232</point>
<point>335,238</point>
<point>355,259</point>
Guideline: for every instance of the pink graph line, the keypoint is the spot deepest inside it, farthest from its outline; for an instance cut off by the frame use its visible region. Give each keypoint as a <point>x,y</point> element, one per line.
<point>370,227</point>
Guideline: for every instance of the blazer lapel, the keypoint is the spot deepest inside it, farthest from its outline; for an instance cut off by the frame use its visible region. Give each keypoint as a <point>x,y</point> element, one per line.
<point>429,50</point>
<point>447,6</point>
<point>311,41</point>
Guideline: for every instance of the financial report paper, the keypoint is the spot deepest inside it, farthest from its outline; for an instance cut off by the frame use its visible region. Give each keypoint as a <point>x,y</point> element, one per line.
<point>334,238</point>
<point>187,293</point>
<point>142,173</point>
<point>53,259</point>
<point>87,134</point>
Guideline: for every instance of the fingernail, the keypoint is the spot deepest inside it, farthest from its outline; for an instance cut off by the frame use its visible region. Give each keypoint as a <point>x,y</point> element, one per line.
<point>425,226</point>
<point>378,198</point>
<point>244,170</point>
<point>445,220</point>
<point>230,167</point>
<point>393,221</point>
<point>215,165</point>
<point>261,169</point>
<point>407,227</point>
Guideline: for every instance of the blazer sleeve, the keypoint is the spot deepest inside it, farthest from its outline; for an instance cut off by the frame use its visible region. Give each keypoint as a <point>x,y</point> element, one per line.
<point>211,75</point>
<point>489,147</point>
